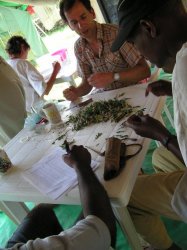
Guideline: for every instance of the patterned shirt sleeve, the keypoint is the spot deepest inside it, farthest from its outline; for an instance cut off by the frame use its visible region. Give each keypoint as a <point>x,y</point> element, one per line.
<point>130,54</point>
<point>83,67</point>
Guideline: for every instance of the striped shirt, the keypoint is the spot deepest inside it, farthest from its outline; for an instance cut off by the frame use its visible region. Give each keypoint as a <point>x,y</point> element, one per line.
<point>107,61</point>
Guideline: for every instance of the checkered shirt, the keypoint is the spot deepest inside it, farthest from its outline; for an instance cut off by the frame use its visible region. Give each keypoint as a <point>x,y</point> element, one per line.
<point>107,61</point>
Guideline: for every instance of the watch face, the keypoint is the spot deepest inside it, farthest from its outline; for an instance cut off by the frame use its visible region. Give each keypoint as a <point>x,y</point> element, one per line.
<point>116,76</point>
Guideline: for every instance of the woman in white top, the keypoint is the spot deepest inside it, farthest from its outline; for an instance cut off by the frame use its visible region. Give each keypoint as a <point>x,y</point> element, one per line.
<point>33,82</point>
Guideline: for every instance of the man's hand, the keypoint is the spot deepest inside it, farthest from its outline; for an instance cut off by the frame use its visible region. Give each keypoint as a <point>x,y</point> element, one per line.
<point>159,88</point>
<point>78,157</point>
<point>93,196</point>
<point>70,94</point>
<point>100,80</point>
<point>147,126</point>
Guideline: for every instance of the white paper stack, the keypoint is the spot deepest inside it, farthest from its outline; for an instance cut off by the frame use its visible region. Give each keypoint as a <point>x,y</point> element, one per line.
<point>52,176</point>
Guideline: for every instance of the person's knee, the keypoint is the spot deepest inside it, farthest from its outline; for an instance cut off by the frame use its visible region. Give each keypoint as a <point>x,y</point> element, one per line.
<point>151,228</point>
<point>41,211</point>
<point>157,156</point>
<point>41,222</point>
<point>165,161</point>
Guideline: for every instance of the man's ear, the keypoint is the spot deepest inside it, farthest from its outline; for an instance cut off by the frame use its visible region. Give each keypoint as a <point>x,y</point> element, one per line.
<point>93,13</point>
<point>69,25</point>
<point>149,28</point>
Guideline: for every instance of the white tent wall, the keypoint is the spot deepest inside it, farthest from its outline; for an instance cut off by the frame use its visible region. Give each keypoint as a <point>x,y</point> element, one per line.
<point>48,15</point>
<point>44,9</point>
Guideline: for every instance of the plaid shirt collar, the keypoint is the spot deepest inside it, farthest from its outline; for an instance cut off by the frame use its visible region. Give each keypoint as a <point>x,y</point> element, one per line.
<point>99,31</point>
<point>100,38</point>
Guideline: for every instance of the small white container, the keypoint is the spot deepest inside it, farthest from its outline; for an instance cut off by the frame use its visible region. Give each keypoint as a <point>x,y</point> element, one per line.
<point>52,113</point>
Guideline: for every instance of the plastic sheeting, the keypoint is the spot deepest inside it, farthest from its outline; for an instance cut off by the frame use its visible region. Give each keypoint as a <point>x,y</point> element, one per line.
<point>14,5</point>
<point>34,2</point>
<point>18,22</point>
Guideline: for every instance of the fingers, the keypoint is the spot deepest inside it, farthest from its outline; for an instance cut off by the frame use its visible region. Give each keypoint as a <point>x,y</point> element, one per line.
<point>78,150</point>
<point>68,159</point>
<point>56,67</point>
<point>70,94</point>
<point>91,80</point>
<point>134,119</point>
<point>77,154</point>
<point>96,79</point>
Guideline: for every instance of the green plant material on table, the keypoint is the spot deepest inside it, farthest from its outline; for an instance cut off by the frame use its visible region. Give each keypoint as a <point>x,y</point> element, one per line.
<point>102,111</point>
<point>98,135</point>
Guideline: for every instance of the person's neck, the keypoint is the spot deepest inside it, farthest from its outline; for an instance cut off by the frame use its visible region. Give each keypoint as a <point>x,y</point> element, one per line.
<point>15,57</point>
<point>92,39</point>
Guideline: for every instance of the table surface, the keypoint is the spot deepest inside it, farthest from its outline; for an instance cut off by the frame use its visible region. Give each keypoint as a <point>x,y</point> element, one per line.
<point>27,147</point>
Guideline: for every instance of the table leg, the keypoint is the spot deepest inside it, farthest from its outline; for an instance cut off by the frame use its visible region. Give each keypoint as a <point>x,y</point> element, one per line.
<point>127,226</point>
<point>16,211</point>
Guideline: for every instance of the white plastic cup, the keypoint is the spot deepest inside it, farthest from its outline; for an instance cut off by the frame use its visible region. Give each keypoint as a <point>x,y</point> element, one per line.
<point>5,163</point>
<point>52,113</point>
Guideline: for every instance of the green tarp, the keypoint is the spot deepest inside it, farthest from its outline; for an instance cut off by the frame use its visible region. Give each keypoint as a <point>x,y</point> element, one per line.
<point>14,5</point>
<point>18,22</point>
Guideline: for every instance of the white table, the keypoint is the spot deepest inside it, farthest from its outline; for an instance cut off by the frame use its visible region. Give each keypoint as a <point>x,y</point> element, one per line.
<point>27,148</point>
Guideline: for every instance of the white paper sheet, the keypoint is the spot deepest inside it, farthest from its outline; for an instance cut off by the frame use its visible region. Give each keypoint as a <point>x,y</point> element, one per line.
<point>51,175</point>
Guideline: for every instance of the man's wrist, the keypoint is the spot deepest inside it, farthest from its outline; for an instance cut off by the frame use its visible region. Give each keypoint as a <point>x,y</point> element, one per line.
<point>166,140</point>
<point>81,165</point>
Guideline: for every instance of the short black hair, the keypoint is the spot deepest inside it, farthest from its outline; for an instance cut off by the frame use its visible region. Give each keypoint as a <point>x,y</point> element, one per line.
<point>14,45</point>
<point>66,5</point>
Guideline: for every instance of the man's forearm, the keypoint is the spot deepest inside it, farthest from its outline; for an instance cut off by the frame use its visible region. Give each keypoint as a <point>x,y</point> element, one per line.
<point>171,143</point>
<point>137,73</point>
<point>94,198</point>
<point>50,82</point>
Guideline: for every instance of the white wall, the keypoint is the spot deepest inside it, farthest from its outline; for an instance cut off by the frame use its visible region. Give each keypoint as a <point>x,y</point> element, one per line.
<point>99,16</point>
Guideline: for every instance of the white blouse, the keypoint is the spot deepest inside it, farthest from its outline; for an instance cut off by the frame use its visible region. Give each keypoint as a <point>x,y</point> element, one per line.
<point>33,82</point>
<point>179,89</point>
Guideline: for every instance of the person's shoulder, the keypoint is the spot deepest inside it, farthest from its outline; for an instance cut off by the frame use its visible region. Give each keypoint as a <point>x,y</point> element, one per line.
<point>109,31</point>
<point>79,42</point>
<point>19,61</point>
<point>111,27</point>
<point>79,45</point>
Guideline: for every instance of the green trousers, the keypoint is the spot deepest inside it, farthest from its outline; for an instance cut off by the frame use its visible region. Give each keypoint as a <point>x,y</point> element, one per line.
<point>151,198</point>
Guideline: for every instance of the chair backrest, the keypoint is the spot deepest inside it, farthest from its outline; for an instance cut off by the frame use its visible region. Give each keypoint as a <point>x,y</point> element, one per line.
<point>62,53</point>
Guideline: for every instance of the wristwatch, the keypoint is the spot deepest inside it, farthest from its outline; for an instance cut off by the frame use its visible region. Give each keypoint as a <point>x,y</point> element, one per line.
<point>116,76</point>
<point>167,140</point>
